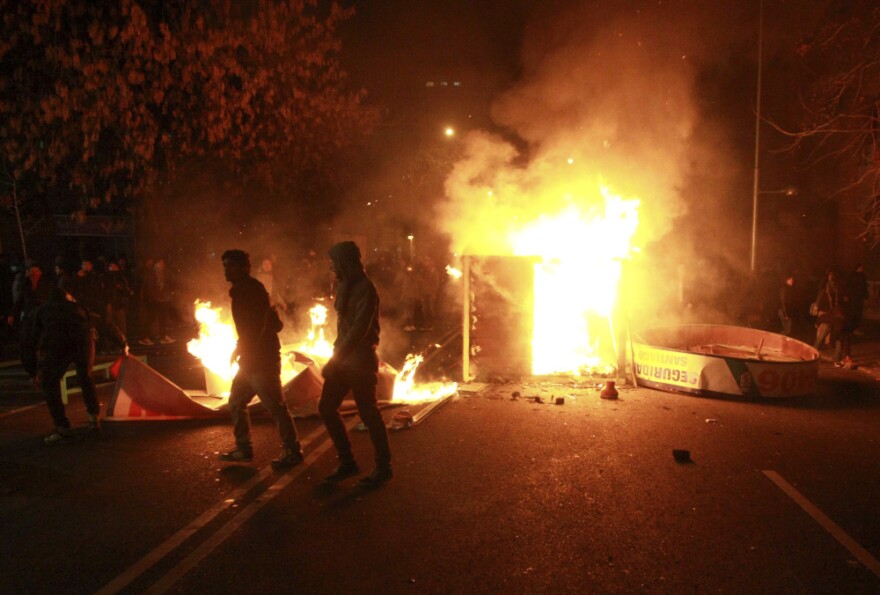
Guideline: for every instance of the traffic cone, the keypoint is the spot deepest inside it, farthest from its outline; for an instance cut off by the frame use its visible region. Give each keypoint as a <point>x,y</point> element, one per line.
<point>609,392</point>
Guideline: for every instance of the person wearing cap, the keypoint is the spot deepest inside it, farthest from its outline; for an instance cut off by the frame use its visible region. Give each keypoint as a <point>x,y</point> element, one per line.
<point>56,334</point>
<point>258,353</point>
<point>354,366</point>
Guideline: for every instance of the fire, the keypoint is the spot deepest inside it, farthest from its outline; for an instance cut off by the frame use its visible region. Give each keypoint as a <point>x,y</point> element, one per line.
<point>576,283</point>
<point>215,343</point>
<point>316,344</point>
<point>406,390</point>
<point>214,347</point>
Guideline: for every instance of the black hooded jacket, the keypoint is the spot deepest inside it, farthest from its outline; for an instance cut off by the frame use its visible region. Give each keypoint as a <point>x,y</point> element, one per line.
<point>59,330</point>
<point>357,309</point>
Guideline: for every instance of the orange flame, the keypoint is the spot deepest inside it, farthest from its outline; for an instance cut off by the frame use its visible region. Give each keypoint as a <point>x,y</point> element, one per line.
<point>407,391</point>
<point>576,283</point>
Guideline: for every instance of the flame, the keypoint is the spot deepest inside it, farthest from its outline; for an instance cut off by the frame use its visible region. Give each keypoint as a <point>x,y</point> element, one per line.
<point>316,344</point>
<point>214,347</point>
<point>576,282</point>
<point>215,343</point>
<point>406,390</point>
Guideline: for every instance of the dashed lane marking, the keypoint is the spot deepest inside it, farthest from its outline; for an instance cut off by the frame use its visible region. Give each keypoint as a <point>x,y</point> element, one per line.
<point>214,541</point>
<point>820,517</point>
<point>173,542</point>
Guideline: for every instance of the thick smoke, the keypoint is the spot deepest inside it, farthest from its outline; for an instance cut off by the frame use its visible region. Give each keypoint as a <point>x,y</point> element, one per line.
<point>610,99</point>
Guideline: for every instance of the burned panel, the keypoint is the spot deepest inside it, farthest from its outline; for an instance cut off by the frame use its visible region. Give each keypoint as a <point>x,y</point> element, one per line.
<point>501,296</point>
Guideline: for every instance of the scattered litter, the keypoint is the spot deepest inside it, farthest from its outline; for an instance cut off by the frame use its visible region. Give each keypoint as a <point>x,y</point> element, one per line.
<point>401,420</point>
<point>361,427</point>
<point>516,394</point>
<point>560,401</point>
<point>681,456</point>
<point>538,400</point>
<point>710,420</point>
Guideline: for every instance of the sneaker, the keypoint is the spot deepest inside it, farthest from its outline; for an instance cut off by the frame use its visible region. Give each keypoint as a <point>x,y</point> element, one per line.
<point>59,436</point>
<point>239,455</point>
<point>344,471</point>
<point>166,340</point>
<point>146,341</point>
<point>379,476</point>
<point>93,423</point>
<point>289,458</point>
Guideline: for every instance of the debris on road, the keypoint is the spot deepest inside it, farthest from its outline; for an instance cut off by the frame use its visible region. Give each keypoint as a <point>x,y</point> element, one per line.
<point>516,394</point>
<point>681,455</point>
<point>560,401</point>
<point>401,420</point>
<point>710,420</point>
<point>609,392</point>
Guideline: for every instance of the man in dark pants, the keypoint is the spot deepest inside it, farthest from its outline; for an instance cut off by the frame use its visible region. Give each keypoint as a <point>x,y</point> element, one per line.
<point>354,366</point>
<point>259,359</point>
<point>56,334</point>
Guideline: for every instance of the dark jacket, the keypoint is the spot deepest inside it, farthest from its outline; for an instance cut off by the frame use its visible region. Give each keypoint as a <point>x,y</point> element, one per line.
<point>258,344</point>
<point>26,297</point>
<point>88,289</point>
<point>61,330</point>
<point>357,309</point>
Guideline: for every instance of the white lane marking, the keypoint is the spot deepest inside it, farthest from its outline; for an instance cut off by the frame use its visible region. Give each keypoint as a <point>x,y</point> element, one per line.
<point>170,544</point>
<point>20,409</point>
<point>210,544</point>
<point>863,555</point>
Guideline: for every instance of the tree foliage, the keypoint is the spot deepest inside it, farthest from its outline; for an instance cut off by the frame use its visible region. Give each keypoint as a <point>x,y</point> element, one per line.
<point>102,100</point>
<point>841,126</point>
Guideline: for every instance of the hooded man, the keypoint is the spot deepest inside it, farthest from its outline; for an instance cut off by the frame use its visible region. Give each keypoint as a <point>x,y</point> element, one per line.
<point>354,366</point>
<point>259,358</point>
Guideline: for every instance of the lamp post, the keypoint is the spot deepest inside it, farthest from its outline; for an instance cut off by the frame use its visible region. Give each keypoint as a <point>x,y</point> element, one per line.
<point>788,191</point>
<point>757,176</point>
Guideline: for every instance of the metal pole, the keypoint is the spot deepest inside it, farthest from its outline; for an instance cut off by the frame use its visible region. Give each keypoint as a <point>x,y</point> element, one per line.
<point>757,137</point>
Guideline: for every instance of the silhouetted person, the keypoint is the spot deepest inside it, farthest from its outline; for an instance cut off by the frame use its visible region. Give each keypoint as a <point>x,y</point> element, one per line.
<point>56,334</point>
<point>259,359</point>
<point>786,305</point>
<point>830,318</point>
<point>354,366</point>
<point>30,289</point>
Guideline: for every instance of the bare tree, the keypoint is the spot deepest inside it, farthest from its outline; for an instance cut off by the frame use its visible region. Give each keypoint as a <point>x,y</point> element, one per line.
<point>841,105</point>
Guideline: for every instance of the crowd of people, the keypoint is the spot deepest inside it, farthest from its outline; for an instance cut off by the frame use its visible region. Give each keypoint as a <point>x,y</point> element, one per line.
<point>150,301</point>
<point>106,288</point>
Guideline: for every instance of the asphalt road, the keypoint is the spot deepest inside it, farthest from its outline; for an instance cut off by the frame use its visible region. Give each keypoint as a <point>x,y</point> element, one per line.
<point>490,495</point>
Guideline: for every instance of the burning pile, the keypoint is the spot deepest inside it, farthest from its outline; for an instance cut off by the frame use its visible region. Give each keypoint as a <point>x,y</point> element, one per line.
<point>216,342</point>
<point>576,282</point>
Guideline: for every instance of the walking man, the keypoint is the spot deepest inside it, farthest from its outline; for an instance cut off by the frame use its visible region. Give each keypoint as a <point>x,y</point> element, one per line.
<point>354,366</point>
<point>56,334</point>
<point>258,354</point>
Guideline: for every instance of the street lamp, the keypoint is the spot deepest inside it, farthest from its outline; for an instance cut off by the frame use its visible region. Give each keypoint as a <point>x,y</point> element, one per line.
<point>789,191</point>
